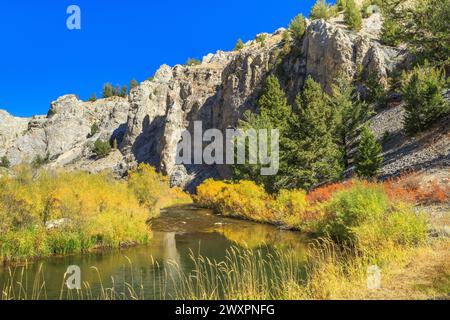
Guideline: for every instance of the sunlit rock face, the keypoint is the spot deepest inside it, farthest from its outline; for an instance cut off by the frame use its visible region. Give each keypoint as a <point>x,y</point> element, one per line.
<point>218,91</point>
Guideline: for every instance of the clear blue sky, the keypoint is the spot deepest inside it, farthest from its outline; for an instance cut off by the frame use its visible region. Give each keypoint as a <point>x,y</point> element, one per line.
<point>40,59</point>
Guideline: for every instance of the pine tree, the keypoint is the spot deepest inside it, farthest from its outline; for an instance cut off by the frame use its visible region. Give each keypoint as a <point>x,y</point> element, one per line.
<point>350,115</point>
<point>133,84</point>
<point>297,27</point>
<point>422,90</point>
<point>274,113</point>
<point>322,10</point>
<point>369,158</point>
<point>108,91</point>
<point>123,91</point>
<point>273,104</point>
<point>313,155</point>
<point>353,16</point>
<point>239,45</point>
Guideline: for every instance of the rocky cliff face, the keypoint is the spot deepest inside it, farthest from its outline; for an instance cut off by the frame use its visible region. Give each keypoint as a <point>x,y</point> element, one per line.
<point>218,91</point>
<point>64,134</point>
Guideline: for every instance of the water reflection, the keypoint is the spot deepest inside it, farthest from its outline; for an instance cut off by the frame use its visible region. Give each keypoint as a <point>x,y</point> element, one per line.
<point>177,233</point>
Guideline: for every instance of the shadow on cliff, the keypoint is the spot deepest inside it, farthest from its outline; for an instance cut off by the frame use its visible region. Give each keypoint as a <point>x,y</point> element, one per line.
<point>147,146</point>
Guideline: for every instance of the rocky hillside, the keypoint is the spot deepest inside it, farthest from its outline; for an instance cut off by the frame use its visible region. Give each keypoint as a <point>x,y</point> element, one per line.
<point>217,92</point>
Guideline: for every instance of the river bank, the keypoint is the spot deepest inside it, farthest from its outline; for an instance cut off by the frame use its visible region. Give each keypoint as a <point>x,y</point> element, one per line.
<point>45,213</point>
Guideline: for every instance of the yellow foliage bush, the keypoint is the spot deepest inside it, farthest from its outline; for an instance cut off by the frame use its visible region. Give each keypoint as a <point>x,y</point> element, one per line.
<point>97,210</point>
<point>244,199</point>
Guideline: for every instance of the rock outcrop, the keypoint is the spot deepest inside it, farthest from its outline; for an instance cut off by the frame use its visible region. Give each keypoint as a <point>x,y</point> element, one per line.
<point>64,135</point>
<point>217,92</point>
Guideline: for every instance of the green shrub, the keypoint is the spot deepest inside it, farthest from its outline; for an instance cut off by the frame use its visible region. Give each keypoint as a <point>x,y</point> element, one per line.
<point>341,4</point>
<point>4,162</point>
<point>94,129</point>
<point>422,90</point>
<point>322,10</point>
<point>239,45</point>
<point>261,39</point>
<point>353,16</point>
<point>405,227</point>
<point>93,97</point>
<point>40,161</point>
<point>391,32</point>
<point>363,203</point>
<point>101,148</point>
<point>297,27</point>
<point>193,62</point>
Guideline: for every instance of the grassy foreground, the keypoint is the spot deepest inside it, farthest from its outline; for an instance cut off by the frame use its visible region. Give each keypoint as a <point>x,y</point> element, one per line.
<point>330,273</point>
<point>46,213</point>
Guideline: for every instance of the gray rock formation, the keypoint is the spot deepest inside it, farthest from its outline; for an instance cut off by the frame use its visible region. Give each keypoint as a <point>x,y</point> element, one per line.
<point>64,134</point>
<point>216,92</point>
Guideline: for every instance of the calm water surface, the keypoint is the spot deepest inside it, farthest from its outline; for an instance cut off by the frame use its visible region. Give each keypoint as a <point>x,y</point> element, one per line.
<point>177,234</point>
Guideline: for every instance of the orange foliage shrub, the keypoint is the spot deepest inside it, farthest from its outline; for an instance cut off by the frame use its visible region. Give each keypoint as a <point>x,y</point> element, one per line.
<point>325,193</point>
<point>409,188</point>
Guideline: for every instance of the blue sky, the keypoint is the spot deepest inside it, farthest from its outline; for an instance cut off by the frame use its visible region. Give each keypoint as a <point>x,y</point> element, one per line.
<point>40,59</point>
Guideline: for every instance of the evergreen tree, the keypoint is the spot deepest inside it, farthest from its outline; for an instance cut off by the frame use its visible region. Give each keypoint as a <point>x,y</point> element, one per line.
<point>350,115</point>
<point>353,16</point>
<point>123,91</point>
<point>274,113</point>
<point>369,158</point>
<point>133,84</point>
<point>108,91</point>
<point>313,155</point>
<point>297,27</point>
<point>423,26</point>
<point>239,45</point>
<point>422,90</point>
<point>322,10</point>
<point>273,104</point>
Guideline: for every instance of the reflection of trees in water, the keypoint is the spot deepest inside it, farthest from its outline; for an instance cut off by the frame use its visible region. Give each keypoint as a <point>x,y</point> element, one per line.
<point>259,235</point>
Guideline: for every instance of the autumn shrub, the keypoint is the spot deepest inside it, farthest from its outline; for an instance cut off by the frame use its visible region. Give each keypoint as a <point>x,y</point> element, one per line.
<point>152,189</point>
<point>209,192</point>
<point>94,210</point>
<point>408,188</point>
<point>325,193</point>
<point>243,199</point>
<point>292,209</point>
